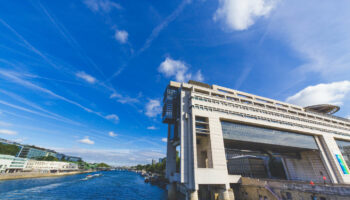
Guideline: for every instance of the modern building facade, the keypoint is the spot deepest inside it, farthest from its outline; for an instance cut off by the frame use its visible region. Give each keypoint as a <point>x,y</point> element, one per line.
<point>221,135</point>
<point>10,164</point>
<point>72,158</point>
<point>50,166</point>
<point>30,152</point>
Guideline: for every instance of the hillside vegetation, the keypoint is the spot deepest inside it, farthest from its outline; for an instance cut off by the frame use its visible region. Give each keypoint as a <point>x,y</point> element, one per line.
<point>8,149</point>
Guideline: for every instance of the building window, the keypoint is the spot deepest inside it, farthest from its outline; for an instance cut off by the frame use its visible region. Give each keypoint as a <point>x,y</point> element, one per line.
<point>204,155</point>
<point>344,147</point>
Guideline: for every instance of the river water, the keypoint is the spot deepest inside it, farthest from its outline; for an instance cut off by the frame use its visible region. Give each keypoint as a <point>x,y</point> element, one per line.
<point>111,185</point>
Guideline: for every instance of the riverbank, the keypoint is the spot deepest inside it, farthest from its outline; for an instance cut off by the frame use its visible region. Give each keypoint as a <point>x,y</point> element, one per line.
<point>25,175</point>
<point>153,178</point>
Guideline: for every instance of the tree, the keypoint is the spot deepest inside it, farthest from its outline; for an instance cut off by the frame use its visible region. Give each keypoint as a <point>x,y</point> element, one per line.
<point>103,165</point>
<point>9,149</point>
<point>47,158</point>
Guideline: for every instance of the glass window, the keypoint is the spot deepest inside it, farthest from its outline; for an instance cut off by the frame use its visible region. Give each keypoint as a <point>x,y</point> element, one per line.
<point>255,134</point>
<point>344,147</point>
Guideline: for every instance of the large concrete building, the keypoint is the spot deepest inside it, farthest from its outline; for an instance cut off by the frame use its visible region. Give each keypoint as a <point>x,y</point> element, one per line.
<point>222,135</point>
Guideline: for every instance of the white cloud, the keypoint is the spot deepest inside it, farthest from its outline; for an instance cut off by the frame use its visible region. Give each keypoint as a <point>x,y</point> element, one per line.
<point>124,99</point>
<point>121,36</point>
<point>88,78</point>
<point>5,123</point>
<point>112,134</point>
<point>7,132</point>
<point>347,117</point>
<point>319,33</point>
<point>241,14</point>
<point>101,5</point>
<point>153,108</point>
<point>117,157</point>
<point>164,24</point>
<point>86,140</point>
<point>16,78</point>
<point>178,70</point>
<point>152,128</point>
<point>113,117</point>
<point>164,139</point>
<point>331,93</point>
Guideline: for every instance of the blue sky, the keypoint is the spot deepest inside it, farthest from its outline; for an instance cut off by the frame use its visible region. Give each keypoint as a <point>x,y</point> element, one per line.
<point>86,77</point>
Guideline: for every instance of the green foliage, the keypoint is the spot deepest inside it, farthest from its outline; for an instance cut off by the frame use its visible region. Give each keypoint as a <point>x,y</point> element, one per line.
<point>47,158</point>
<point>158,168</point>
<point>8,149</point>
<point>103,165</point>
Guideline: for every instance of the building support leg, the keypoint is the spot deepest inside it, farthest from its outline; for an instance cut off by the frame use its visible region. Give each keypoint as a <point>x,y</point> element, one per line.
<point>228,194</point>
<point>192,195</point>
<point>172,191</point>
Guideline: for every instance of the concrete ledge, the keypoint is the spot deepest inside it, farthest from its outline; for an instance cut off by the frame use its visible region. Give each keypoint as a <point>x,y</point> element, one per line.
<point>37,175</point>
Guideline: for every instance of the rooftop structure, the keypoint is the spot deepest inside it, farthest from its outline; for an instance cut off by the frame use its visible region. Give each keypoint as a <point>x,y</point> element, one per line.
<point>223,134</point>
<point>323,108</point>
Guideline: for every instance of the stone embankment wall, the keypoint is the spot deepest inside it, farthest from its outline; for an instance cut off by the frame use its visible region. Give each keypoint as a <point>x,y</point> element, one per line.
<point>252,189</point>
<point>23,175</point>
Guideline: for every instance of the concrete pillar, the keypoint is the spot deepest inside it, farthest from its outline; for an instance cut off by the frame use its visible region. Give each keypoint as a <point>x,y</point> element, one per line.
<point>172,191</point>
<point>192,195</point>
<point>171,157</point>
<point>226,194</point>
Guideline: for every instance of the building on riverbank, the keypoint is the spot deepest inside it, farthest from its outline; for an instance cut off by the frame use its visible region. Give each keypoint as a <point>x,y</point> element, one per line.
<point>50,166</point>
<point>11,164</point>
<point>223,134</point>
<point>32,152</point>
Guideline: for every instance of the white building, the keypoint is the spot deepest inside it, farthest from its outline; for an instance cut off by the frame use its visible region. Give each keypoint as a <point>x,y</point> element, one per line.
<point>5,162</point>
<point>9,164</point>
<point>50,166</point>
<point>212,126</point>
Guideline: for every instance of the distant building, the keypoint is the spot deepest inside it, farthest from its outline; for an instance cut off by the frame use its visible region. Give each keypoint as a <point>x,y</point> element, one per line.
<point>4,141</point>
<point>72,158</point>
<point>31,152</point>
<point>27,151</point>
<point>154,162</point>
<point>10,164</point>
<point>52,153</point>
<point>60,156</point>
<point>50,166</point>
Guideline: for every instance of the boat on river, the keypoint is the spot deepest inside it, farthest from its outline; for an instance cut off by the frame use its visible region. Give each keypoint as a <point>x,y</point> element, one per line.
<point>90,176</point>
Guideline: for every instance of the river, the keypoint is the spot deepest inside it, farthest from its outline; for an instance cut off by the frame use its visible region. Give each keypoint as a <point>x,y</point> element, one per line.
<point>111,185</point>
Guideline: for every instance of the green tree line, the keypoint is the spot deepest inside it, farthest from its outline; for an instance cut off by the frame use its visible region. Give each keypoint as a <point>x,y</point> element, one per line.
<point>9,149</point>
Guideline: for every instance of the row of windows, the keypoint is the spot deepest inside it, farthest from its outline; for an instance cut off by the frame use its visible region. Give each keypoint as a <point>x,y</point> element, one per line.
<point>268,112</point>
<point>283,108</point>
<point>18,162</point>
<point>206,108</point>
<point>20,166</point>
<point>6,158</point>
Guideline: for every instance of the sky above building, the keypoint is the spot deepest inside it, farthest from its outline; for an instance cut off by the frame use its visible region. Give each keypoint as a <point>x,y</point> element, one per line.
<point>87,77</point>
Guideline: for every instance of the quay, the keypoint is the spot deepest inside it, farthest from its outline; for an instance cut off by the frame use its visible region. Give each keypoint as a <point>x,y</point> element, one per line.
<point>231,144</point>
<point>25,175</point>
